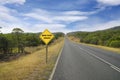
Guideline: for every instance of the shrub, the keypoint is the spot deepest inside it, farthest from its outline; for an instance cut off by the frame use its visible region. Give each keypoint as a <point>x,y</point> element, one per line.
<point>115,44</point>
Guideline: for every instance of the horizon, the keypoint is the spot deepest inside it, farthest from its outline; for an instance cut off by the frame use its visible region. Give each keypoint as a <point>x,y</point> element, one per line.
<point>64,32</point>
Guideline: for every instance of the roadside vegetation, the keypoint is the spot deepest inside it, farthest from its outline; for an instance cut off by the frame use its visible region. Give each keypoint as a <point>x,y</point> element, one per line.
<point>108,38</point>
<point>22,55</point>
<point>32,66</point>
<point>18,43</point>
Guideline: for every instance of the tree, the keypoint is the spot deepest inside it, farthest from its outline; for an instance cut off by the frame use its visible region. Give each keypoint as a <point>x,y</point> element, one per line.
<point>4,44</point>
<point>115,43</point>
<point>106,37</point>
<point>32,40</point>
<point>17,32</point>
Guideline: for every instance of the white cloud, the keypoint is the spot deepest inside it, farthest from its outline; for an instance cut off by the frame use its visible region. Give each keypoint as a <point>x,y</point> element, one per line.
<point>26,27</point>
<point>12,1</point>
<point>52,27</point>
<point>6,14</point>
<point>39,17</point>
<point>40,14</point>
<point>56,17</point>
<point>9,21</point>
<point>97,26</point>
<point>107,25</point>
<point>82,13</point>
<point>41,11</point>
<point>69,18</point>
<point>74,13</point>
<point>7,27</point>
<point>110,2</point>
<point>35,28</point>
<point>54,21</point>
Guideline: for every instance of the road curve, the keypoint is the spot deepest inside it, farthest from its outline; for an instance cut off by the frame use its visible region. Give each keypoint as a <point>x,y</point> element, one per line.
<point>81,62</point>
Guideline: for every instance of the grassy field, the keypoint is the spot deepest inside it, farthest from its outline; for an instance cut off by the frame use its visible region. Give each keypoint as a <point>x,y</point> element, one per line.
<point>33,49</point>
<point>98,46</point>
<point>32,66</point>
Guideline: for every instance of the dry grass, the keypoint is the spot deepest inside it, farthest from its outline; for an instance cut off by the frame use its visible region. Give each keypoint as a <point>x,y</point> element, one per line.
<point>32,66</point>
<point>106,48</point>
<point>33,49</point>
<point>74,39</point>
<point>98,46</point>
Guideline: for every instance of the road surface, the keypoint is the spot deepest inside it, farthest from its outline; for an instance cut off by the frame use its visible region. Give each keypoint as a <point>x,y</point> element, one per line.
<point>80,62</point>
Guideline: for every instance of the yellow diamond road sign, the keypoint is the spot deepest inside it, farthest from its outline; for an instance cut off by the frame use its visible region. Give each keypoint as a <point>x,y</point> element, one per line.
<point>46,36</point>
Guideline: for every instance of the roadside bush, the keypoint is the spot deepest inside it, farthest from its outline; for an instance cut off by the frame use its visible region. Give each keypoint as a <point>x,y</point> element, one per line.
<point>94,40</point>
<point>3,45</point>
<point>115,44</point>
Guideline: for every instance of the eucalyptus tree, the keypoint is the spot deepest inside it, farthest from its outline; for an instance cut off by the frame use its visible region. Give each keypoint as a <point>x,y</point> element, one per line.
<point>17,38</point>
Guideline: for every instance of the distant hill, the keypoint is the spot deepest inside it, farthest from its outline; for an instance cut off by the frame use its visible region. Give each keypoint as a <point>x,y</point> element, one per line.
<point>115,28</point>
<point>108,37</point>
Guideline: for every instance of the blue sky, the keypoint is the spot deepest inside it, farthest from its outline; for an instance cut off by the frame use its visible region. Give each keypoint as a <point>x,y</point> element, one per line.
<point>59,15</point>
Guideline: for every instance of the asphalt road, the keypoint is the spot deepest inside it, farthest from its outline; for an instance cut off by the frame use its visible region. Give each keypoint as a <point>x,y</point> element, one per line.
<point>80,62</point>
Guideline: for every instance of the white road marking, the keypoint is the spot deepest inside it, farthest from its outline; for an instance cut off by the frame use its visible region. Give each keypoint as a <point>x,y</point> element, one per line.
<point>116,68</point>
<point>111,65</point>
<point>53,71</point>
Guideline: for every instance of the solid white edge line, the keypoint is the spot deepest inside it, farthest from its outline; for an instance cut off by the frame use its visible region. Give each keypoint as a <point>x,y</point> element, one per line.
<point>116,68</point>
<point>55,66</point>
<point>111,65</point>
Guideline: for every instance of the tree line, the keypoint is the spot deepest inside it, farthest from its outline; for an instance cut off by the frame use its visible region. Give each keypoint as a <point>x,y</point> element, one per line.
<point>17,40</point>
<point>110,37</point>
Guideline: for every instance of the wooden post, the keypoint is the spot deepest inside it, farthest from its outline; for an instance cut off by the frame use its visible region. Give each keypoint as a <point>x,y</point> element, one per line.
<point>46,53</point>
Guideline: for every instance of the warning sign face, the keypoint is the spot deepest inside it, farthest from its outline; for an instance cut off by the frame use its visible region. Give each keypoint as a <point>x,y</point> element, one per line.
<point>46,36</point>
